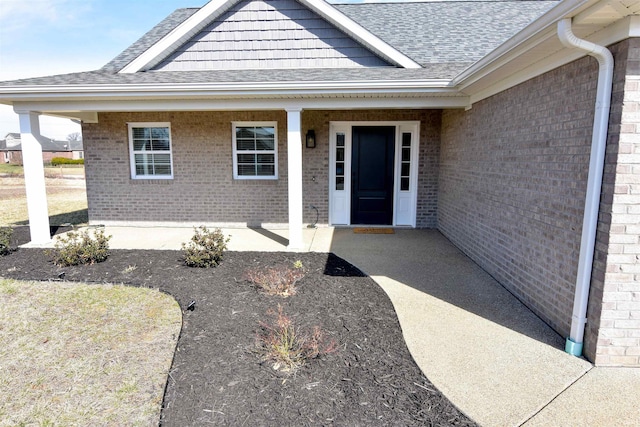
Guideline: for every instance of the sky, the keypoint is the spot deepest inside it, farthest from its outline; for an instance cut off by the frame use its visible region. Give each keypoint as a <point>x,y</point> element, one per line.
<point>48,37</point>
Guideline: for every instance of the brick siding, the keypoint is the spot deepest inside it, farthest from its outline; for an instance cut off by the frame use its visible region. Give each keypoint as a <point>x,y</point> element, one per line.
<point>316,162</point>
<point>512,184</point>
<point>614,304</point>
<point>203,189</point>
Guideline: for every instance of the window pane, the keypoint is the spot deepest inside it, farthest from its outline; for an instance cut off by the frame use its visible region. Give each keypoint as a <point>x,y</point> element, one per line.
<point>141,133</point>
<point>339,168</point>
<point>340,183</point>
<point>406,154</point>
<point>143,164</point>
<point>246,158</point>
<point>247,170</point>
<point>265,132</point>
<point>160,145</point>
<point>405,169</point>
<point>160,133</point>
<point>404,184</point>
<point>245,133</point>
<point>340,154</point>
<point>141,145</point>
<point>340,139</point>
<point>266,170</point>
<point>245,144</point>
<point>265,158</point>
<point>406,140</point>
<point>162,159</point>
<point>162,169</point>
<point>264,144</point>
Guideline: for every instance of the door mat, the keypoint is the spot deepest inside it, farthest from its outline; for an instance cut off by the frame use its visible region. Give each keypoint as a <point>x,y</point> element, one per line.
<point>373,230</point>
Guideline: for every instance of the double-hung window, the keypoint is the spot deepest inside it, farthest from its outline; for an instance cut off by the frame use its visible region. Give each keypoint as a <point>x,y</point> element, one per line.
<point>255,150</point>
<point>150,150</point>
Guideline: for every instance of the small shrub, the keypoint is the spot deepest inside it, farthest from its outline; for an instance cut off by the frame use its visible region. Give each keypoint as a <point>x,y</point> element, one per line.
<point>275,280</point>
<point>205,248</point>
<point>77,248</point>
<point>5,240</point>
<point>130,269</point>
<point>284,344</point>
<point>297,264</point>
<point>57,161</point>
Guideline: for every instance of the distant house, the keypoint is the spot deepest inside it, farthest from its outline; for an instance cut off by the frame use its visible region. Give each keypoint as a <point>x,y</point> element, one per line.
<point>477,118</point>
<point>11,149</point>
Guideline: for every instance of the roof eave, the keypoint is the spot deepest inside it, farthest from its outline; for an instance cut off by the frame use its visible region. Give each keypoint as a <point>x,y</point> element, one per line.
<point>536,49</point>
<point>295,88</point>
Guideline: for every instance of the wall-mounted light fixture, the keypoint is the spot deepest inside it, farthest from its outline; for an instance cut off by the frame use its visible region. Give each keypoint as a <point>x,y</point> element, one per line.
<point>311,139</point>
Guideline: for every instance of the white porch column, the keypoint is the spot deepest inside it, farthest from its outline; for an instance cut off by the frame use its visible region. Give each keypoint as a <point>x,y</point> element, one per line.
<point>34,177</point>
<point>294,155</point>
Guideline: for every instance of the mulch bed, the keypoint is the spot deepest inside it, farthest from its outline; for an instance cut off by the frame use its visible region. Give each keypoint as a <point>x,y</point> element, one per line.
<point>217,377</point>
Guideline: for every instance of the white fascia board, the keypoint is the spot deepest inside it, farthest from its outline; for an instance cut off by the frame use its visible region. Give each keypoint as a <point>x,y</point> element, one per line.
<point>518,43</point>
<point>229,89</point>
<point>248,104</point>
<point>360,33</point>
<point>179,35</point>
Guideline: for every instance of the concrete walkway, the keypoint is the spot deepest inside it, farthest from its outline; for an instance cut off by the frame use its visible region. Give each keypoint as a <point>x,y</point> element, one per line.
<point>489,354</point>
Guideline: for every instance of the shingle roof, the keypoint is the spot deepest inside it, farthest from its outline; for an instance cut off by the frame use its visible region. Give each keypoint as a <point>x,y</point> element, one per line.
<point>47,144</point>
<point>445,31</point>
<point>432,71</point>
<point>149,39</point>
<point>445,37</point>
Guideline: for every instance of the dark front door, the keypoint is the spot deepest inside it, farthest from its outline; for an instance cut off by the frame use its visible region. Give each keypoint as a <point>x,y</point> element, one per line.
<point>372,175</point>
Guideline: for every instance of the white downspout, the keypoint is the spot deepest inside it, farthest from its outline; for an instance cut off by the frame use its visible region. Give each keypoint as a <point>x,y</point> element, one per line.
<point>574,342</point>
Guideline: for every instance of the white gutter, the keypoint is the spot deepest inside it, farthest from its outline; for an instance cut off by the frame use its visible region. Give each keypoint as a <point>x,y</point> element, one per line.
<point>244,88</point>
<point>574,342</point>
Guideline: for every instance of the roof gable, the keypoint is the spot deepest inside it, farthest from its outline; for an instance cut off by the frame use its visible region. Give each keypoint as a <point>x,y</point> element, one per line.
<point>190,29</point>
<point>275,34</point>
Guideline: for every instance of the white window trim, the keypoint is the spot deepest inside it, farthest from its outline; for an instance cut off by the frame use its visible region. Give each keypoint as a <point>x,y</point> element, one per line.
<point>235,125</point>
<point>132,160</point>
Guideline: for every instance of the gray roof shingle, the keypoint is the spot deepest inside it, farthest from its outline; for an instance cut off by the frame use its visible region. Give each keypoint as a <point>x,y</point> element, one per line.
<point>445,32</point>
<point>149,39</point>
<point>445,37</point>
<point>431,71</point>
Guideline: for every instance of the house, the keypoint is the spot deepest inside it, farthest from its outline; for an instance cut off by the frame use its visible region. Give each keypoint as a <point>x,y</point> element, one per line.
<point>512,127</point>
<point>11,149</point>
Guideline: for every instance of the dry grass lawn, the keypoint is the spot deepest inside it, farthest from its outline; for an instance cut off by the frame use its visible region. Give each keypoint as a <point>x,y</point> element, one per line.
<point>67,200</point>
<point>76,354</point>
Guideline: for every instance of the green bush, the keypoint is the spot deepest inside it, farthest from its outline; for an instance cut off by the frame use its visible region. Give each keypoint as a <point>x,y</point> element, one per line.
<point>78,248</point>
<point>57,161</point>
<point>205,248</point>
<point>5,240</point>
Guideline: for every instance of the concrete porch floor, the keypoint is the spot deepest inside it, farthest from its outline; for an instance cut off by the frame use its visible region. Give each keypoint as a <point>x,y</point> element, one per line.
<point>488,353</point>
